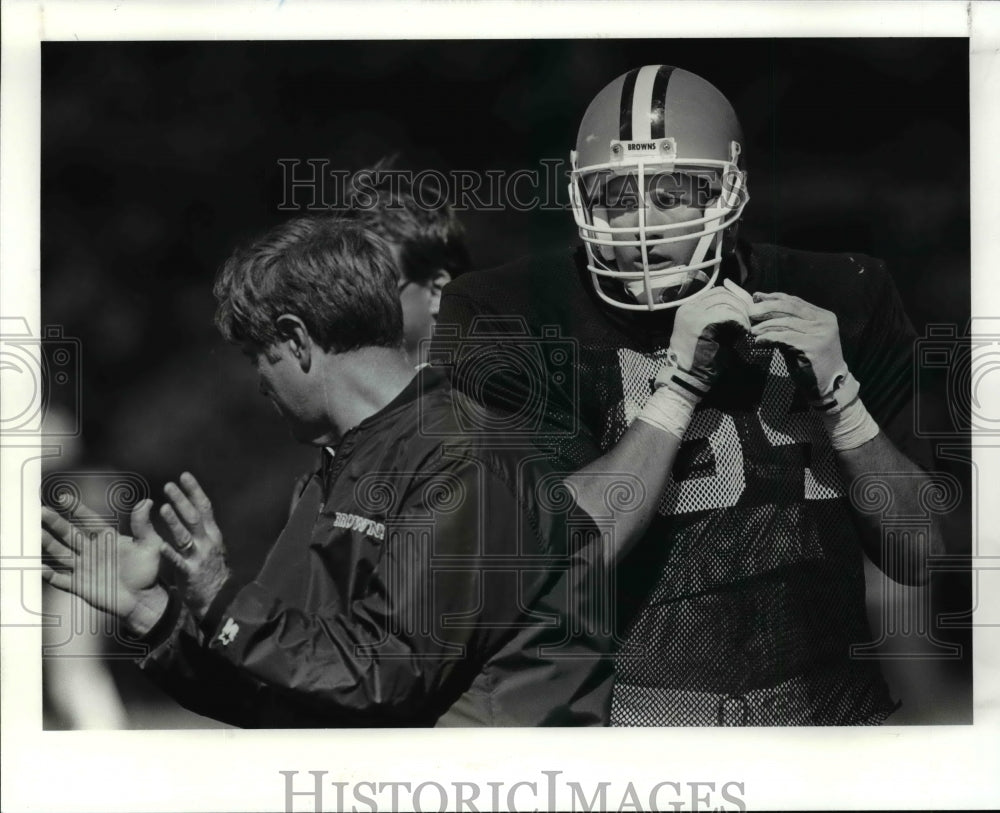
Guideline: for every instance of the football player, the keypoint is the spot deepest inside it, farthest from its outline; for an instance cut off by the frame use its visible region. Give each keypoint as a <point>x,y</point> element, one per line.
<point>744,386</point>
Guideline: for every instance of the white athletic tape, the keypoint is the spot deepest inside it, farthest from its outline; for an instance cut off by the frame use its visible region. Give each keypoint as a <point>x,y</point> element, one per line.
<point>848,421</point>
<point>668,410</point>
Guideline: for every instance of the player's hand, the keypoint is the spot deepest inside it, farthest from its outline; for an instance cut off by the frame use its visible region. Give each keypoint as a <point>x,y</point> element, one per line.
<point>808,336</point>
<point>110,571</point>
<point>198,553</point>
<point>702,327</point>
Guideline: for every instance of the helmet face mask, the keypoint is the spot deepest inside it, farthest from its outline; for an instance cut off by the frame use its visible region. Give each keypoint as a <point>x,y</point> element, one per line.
<point>655,186</point>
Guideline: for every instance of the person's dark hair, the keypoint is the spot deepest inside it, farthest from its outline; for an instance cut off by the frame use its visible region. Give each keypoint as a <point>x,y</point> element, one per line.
<point>339,278</point>
<point>417,218</point>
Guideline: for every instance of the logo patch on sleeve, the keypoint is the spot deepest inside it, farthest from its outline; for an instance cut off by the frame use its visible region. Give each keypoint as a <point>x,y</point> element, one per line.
<point>229,632</point>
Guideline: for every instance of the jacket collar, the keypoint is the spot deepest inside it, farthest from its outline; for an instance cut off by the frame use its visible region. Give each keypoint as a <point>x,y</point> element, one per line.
<point>428,379</point>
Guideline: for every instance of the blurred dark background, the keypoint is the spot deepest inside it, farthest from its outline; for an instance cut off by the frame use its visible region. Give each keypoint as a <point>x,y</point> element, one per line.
<point>157,158</point>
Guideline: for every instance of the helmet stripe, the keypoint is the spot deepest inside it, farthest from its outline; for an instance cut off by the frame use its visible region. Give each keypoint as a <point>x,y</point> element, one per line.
<point>658,116</point>
<point>642,101</point>
<point>625,109</point>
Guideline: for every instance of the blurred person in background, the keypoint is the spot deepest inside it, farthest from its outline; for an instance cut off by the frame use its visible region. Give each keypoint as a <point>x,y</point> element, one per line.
<point>78,688</point>
<point>426,237</point>
<point>351,621</point>
<point>427,242</point>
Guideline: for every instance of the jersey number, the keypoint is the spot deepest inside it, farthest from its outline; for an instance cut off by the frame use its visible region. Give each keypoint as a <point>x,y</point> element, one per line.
<point>721,455</point>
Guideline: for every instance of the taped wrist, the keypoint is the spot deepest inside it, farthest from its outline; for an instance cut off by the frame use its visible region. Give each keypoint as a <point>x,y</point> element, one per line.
<point>684,382</point>
<point>668,410</point>
<point>847,421</point>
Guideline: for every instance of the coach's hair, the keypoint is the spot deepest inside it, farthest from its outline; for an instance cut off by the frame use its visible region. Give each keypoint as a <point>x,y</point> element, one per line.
<point>416,217</point>
<point>339,278</point>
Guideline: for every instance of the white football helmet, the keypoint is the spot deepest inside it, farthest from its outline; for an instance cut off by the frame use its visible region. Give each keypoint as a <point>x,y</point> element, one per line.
<point>655,137</point>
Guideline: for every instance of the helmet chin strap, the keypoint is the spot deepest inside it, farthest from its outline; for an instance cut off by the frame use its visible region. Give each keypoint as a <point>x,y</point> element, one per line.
<point>706,241</point>
<point>679,282</point>
<point>683,278</point>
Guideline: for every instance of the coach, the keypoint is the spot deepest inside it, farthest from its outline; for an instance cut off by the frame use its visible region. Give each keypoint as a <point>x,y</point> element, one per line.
<point>424,577</point>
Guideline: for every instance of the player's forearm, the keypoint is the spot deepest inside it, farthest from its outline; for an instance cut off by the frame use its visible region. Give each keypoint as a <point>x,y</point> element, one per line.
<point>906,560</point>
<point>639,463</point>
<point>864,450</point>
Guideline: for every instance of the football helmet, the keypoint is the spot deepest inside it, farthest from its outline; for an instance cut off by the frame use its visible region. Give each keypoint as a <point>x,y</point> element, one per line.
<point>656,139</point>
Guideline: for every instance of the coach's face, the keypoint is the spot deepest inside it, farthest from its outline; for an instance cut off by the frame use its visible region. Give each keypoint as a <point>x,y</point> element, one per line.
<point>292,390</point>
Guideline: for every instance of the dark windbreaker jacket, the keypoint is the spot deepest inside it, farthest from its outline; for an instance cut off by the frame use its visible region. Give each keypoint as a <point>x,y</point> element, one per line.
<point>427,575</point>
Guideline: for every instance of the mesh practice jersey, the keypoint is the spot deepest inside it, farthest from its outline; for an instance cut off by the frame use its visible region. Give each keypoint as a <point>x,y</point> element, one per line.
<point>740,604</point>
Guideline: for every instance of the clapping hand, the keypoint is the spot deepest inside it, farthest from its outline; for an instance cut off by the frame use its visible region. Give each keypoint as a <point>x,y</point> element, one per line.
<point>110,571</point>
<point>198,554</point>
